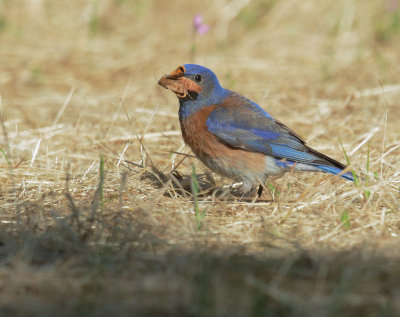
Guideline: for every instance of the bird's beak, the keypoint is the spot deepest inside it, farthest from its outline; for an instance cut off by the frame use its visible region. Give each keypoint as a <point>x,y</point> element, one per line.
<point>178,83</point>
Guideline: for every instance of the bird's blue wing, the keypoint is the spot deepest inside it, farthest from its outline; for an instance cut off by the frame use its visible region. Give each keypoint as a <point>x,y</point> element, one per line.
<point>241,123</point>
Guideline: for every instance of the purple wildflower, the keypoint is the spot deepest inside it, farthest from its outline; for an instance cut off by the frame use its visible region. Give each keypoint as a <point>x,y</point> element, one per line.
<point>392,6</point>
<point>198,25</point>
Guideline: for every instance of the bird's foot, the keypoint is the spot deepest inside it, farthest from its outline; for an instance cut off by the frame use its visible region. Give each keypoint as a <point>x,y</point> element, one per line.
<point>251,194</point>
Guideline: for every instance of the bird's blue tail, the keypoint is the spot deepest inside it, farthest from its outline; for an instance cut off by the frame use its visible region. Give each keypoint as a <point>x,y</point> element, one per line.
<point>335,171</point>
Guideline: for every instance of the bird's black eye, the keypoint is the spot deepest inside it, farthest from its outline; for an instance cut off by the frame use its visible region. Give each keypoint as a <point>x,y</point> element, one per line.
<point>198,78</point>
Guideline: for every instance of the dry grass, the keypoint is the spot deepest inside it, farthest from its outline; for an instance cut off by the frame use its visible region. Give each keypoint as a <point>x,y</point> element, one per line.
<point>78,80</point>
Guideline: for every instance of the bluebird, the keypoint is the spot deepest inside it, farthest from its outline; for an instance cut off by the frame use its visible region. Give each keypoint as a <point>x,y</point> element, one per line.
<point>235,137</point>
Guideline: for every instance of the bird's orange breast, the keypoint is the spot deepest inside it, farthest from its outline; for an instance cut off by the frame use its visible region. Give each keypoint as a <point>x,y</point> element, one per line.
<point>208,147</point>
<point>196,135</point>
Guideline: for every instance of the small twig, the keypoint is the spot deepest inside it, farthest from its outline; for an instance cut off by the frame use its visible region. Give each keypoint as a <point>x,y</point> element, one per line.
<point>134,164</point>
<point>64,106</point>
<point>180,153</point>
<point>145,151</point>
<point>181,161</point>
<point>384,131</point>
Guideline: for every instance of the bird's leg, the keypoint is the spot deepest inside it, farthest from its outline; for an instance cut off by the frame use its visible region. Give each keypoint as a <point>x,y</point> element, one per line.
<point>247,189</point>
<point>251,191</point>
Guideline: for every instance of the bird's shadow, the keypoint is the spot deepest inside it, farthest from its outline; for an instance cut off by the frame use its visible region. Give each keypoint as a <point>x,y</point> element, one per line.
<point>177,185</point>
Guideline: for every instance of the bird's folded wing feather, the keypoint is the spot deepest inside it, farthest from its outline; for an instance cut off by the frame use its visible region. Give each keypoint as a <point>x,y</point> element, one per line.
<point>241,123</point>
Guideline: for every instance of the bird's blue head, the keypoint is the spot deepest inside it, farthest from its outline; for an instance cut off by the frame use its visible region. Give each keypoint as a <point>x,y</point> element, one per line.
<point>196,87</point>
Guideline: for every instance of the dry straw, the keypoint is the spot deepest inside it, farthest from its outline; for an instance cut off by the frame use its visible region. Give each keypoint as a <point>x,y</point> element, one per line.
<point>78,82</point>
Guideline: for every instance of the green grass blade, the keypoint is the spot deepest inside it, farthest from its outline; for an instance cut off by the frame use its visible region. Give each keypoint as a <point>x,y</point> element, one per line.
<point>345,220</point>
<point>356,182</point>
<point>367,192</point>
<point>195,192</point>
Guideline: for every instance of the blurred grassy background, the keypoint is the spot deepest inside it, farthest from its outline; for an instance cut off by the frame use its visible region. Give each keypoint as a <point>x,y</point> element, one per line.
<point>78,79</point>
